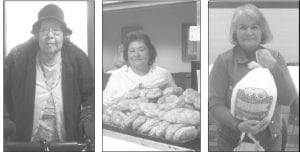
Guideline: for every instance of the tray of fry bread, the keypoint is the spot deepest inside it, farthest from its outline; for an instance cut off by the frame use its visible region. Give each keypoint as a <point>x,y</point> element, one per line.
<point>170,114</point>
<point>192,144</point>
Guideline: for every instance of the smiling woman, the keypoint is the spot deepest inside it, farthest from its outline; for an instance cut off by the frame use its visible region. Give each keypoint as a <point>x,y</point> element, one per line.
<point>249,28</point>
<point>248,32</point>
<point>139,52</point>
<point>139,55</point>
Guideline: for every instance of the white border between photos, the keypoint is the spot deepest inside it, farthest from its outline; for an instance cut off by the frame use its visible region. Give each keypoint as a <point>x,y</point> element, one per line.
<point>98,76</point>
<point>204,74</point>
<point>1,79</point>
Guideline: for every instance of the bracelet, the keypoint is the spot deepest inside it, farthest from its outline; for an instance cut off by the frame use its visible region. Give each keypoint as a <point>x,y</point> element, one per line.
<point>86,107</point>
<point>87,117</point>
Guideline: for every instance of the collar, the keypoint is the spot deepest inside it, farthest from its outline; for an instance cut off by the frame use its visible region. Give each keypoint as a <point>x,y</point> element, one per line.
<point>129,69</point>
<point>240,55</point>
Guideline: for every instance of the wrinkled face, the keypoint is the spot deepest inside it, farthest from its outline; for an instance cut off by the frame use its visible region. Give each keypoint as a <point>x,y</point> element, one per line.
<point>248,33</point>
<point>138,54</point>
<point>50,36</point>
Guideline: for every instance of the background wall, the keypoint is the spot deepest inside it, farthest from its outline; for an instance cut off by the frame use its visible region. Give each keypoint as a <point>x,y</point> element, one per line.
<point>161,23</point>
<point>284,23</point>
<point>20,16</point>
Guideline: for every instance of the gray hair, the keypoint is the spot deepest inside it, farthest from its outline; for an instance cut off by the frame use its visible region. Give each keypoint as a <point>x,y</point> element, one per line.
<point>253,12</point>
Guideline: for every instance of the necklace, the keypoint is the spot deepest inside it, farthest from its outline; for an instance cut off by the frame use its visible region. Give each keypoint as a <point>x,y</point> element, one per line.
<point>51,73</point>
<point>49,60</point>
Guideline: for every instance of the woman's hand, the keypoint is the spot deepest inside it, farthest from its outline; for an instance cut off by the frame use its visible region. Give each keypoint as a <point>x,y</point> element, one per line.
<point>265,58</point>
<point>9,128</point>
<point>88,128</point>
<point>253,126</point>
<point>253,65</point>
<point>159,83</point>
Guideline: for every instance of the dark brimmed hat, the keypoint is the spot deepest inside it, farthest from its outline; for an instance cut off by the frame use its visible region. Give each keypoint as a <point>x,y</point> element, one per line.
<point>51,11</point>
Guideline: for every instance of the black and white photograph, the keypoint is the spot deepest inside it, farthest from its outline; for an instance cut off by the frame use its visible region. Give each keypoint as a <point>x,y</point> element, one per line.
<point>151,75</point>
<point>48,76</point>
<point>253,90</point>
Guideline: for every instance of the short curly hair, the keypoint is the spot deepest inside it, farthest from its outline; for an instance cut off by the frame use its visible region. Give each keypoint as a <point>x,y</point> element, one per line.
<point>139,36</point>
<point>253,12</point>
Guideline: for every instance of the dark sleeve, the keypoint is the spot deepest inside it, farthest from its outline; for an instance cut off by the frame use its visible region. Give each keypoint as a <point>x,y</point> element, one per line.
<point>286,93</point>
<point>87,87</point>
<point>9,127</point>
<point>218,89</point>
<point>8,65</point>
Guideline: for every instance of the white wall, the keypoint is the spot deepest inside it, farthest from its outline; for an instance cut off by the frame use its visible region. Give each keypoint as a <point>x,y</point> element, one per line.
<point>161,23</point>
<point>20,16</point>
<point>284,24</point>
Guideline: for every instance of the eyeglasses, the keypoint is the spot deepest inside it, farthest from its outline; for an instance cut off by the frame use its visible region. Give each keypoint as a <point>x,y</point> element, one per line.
<point>141,49</point>
<point>55,31</point>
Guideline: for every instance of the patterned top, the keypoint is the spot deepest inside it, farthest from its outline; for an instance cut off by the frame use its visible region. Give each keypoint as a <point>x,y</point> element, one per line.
<point>48,116</point>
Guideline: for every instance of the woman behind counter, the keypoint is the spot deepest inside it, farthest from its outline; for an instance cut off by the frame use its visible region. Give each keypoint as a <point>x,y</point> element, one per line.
<point>249,31</point>
<point>139,55</point>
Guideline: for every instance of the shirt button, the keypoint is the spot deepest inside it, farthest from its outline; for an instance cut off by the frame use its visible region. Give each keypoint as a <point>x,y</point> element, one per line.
<point>272,122</point>
<point>275,135</point>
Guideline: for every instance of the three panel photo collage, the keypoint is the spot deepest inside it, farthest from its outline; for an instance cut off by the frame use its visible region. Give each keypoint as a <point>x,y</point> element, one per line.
<point>150,75</point>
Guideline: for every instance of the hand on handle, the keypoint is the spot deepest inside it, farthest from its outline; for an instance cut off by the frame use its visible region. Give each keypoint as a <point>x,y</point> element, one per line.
<point>253,126</point>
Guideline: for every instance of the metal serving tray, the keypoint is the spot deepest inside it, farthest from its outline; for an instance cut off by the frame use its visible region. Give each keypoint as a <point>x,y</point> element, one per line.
<point>47,147</point>
<point>193,144</point>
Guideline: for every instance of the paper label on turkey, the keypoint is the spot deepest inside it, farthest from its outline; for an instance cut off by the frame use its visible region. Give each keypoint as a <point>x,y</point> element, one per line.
<point>254,97</point>
<point>252,103</point>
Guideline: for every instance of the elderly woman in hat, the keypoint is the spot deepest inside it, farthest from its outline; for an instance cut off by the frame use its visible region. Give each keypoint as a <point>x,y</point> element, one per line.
<point>48,85</point>
<point>249,31</point>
